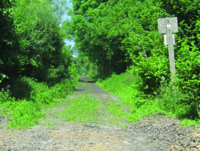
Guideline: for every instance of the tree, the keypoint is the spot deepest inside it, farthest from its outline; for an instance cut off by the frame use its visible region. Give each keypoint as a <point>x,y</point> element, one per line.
<point>9,48</point>
<point>40,37</point>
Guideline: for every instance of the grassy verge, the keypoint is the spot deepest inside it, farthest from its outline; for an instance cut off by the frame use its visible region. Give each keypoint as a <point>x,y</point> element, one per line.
<point>126,86</point>
<point>23,109</point>
<point>136,105</point>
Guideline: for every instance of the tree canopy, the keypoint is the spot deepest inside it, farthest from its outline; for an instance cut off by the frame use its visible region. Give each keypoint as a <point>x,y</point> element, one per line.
<point>32,41</point>
<point>120,35</point>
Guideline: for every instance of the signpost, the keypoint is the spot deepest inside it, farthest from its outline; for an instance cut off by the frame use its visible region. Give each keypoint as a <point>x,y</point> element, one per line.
<point>168,26</point>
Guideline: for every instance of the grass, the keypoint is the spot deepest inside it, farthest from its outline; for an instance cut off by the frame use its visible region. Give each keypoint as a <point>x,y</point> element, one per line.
<point>133,106</point>
<point>84,83</point>
<point>83,109</point>
<point>24,113</point>
<point>127,87</point>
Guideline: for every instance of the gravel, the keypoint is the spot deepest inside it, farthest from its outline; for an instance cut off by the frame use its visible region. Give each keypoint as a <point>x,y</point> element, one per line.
<point>153,133</point>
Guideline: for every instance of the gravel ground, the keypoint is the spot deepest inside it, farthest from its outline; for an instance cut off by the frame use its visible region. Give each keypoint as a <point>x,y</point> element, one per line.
<point>153,133</point>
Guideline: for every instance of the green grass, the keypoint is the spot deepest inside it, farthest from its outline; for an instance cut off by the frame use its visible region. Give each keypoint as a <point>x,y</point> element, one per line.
<point>24,113</point>
<point>84,109</point>
<point>133,106</point>
<point>84,83</point>
<point>127,87</point>
<point>188,122</point>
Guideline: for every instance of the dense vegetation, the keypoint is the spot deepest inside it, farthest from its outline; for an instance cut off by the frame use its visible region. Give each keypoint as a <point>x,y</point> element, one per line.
<point>115,36</point>
<point>112,37</point>
<point>36,67</point>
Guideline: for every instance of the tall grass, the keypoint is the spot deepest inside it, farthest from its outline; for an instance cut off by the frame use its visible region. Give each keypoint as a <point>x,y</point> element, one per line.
<point>128,87</point>
<point>23,103</point>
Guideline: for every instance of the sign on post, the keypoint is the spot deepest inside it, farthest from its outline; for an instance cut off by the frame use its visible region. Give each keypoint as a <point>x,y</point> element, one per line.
<point>168,26</point>
<point>164,23</point>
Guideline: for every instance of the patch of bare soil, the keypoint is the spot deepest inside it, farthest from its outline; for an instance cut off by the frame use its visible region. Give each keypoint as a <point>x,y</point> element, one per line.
<point>154,133</point>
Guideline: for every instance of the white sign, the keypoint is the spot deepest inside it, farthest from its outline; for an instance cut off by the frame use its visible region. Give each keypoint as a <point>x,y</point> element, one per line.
<point>168,26</point>
<point>167,23</point>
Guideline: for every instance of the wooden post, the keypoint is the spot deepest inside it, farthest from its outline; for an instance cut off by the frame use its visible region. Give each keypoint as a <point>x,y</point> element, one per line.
<point>170,43</point>
<point>169,26</point>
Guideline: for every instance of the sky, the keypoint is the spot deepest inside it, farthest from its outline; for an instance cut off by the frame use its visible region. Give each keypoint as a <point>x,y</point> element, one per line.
<point>67,5</point>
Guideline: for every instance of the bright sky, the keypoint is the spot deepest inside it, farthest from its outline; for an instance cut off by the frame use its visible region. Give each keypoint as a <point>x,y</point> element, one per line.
<point>65,17</point>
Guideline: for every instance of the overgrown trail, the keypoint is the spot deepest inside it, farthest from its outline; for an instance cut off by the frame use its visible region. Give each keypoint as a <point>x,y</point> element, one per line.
<point>100,131</point>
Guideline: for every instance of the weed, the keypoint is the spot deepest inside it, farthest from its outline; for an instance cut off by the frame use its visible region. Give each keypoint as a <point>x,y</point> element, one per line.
<point>169,101</point>
<point>50,124</point>
<point>84,109</point>
<point>116,109</point>
<point>127,87</point>
<point>24,113</point>
<point>84,83</point>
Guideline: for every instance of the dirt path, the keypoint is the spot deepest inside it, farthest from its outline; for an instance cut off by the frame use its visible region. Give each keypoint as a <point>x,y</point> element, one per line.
<point>154,133</point>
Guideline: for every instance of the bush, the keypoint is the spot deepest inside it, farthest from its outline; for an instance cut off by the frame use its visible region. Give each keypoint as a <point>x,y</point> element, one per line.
<point>22,114</point>
<point>188,65</point>
<point>173,101</point>
<point>170,99</point>
<point>30,89</point>
<point>23,108</point>
<point>152,70</point>
<point>5,96</point>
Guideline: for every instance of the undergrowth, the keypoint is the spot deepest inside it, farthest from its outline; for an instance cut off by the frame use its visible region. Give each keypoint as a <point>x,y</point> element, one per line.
<point>135,104</point>
<point>83,109</point>
<point>127,87</point>
<point>23,103</point>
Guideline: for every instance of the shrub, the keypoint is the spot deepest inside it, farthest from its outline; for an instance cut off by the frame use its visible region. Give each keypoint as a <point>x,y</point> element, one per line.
<point>22,114</point>
<point>173,101</point>
<point>23,108</point>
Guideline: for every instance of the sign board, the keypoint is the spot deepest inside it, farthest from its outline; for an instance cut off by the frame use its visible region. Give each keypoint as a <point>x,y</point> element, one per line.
<point>168,26</point>
<point>167,23</point>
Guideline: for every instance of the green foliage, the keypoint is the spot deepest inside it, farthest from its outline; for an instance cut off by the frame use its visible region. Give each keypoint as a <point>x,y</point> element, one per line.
<point>5,96</point>
<point>187,49</point>
<point>39,37</point>
<point>22,114</point>
<point>9,48</point>
<point>134,105</point>
<point>116,110</point>
<point>123,85</point>
<point>29,97</point>
<point>188,122</point>
<point>173,101</point>
<point>127,87</point>
<point>26,88</point>
<point>83,109</point>
<point>35,65</point>
<point>188,74</point>
<point>119,35</point>
<point>32,42</point>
